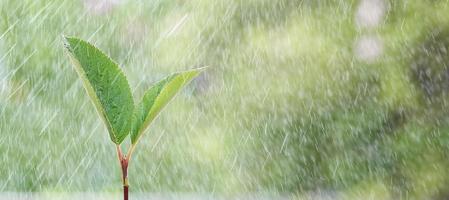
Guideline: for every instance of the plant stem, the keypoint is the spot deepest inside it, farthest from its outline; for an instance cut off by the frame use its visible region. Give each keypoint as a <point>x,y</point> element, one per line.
<point>124,165</point>
<point>130,151</point>
<point>125,192</point>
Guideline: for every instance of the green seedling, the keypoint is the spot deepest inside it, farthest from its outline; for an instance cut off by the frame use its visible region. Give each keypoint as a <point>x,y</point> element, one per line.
<point>110,93</point>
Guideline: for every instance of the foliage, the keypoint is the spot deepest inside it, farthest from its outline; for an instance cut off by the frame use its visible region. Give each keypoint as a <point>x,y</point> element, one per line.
<point>109,91</point>
<point>106,85</point>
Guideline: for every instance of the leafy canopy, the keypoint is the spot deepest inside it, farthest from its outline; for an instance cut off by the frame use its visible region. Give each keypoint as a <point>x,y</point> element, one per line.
<point>110,93</point>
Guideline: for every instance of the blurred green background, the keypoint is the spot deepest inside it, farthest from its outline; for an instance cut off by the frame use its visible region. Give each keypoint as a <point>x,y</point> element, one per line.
<point>302,95</point>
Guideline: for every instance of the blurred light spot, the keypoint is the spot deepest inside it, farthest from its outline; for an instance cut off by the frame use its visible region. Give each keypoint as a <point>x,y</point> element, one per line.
<point>370,13</point>
<point>368,48</point>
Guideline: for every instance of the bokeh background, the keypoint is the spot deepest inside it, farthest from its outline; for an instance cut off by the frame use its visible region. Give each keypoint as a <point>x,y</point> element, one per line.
<point>337,98</point>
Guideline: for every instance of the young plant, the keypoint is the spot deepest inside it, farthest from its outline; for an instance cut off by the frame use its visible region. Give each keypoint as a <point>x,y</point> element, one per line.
<point>110,93</point>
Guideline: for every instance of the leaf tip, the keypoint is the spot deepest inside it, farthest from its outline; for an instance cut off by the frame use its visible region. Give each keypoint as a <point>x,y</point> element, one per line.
<point>68,42</point>
<point>200,69</point>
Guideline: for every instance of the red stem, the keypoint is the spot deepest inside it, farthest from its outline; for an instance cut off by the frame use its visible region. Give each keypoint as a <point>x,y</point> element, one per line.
<point>125,192</point>
<point>124,164</point>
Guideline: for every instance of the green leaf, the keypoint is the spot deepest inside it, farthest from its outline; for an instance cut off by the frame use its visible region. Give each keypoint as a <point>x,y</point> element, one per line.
<point>105,84</point>
<point>156,98</point>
